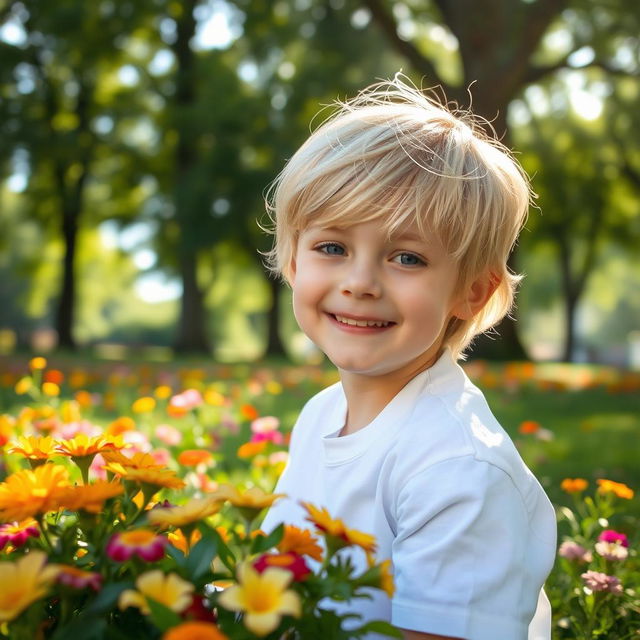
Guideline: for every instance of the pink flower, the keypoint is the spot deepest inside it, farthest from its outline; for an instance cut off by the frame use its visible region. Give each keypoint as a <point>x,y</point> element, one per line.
<point>141,542</point>
<point>97,468</point>
<point>187,400</point>
<point>78,579</point>
<point>289,561</point>
<point>573,551</point>
<point>16,534</point>
<point>168,435</point>
<point>265,424</point>
<point>612,551</point>
<point>610,535</point>
<point>268,436</point>
<point>161,456</point>
<point>597,581</point>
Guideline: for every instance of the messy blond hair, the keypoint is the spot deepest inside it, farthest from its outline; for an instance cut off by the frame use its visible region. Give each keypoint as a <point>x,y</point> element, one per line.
<point>396,155</point>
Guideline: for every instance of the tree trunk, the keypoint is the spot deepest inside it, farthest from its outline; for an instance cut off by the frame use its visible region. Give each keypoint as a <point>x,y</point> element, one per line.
<point>275,347</point>
<point>65,312</point>
<point>192,335</point>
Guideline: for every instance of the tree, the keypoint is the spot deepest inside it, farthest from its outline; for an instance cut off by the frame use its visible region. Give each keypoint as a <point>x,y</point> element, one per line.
<point>502,47</point>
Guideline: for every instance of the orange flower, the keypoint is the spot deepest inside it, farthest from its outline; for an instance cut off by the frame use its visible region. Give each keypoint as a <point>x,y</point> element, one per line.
<point>138,460</point>
<point>27,493</point>
<point>335,529</point>
<point>83,398</point>
<point>121,425</point>
<point>529,426</point>
<point>90,497</point>
<point>147,476</point>
<point>249,412</point>
<point>194,630</point>
<point>251,449</point>
<point>179,541</point>
<point>300,541</point>
<point>34,447</point>
<point>194,457</point>
<point>83,445</point>
<point>618,488</point>
<point>574,485</point>
<point>55,376</point>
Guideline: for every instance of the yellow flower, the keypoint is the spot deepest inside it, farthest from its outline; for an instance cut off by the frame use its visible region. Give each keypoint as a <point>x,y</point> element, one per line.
<point>253,498</point>
<point>90,497</point>
<point>300,541</point>
<point>194,630</point>
<point>83,445</point>
<point>618,488</point>
<point>336,529</point>
<point>179,540</point>
<point>23,386</point>
<point>34,447</point>
<point>70,411</point>
<point>37,363</point>
<point>169,590</point>
<point>149,476</point>
<point>146,404</point>
<point>50,389</point>
<point>193,511</point>
<point>23,582</point>
<point>386,578</point>
<point>27,493</point>
<point>162,392</point>
<point>262,597</point>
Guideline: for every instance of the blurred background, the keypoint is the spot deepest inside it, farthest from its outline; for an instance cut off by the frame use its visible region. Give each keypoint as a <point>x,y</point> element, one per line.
<point>137,138</point>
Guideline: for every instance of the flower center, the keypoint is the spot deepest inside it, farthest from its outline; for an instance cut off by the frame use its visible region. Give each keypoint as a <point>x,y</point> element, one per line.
<point>140,537</point>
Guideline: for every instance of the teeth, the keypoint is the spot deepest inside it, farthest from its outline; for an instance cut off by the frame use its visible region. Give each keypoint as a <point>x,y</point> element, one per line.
<point>361,323</point>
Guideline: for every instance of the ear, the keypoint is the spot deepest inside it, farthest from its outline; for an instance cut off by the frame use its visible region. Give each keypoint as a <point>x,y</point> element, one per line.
<point>290,273</point>
<point>475,296</point>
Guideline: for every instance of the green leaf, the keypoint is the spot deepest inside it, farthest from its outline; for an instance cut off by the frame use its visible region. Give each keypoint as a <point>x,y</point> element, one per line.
<point>177,555</point>
<point>223,551</point>
<point>162,617</point>
<point>82,628</point>
<point>264,543</point>
<point>200,557</point>
<point>108,597</point>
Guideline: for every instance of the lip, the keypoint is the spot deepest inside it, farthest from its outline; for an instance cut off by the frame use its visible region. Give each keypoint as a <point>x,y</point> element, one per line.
<point>355,329</point>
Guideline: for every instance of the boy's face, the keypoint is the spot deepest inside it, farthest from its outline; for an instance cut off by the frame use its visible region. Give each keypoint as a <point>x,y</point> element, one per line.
<point>375,305</point>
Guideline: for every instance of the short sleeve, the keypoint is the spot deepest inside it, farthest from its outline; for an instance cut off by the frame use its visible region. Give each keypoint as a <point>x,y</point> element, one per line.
<point>464,561</point>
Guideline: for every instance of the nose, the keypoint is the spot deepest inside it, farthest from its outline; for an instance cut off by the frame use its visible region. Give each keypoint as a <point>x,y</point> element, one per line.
<point>361,281</point>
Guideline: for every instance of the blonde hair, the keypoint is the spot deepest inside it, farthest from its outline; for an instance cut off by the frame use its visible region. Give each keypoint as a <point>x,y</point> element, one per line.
<point>398,156</point>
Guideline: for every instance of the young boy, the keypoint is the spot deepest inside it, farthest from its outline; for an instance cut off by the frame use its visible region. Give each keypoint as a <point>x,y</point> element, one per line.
<point>393,224</point>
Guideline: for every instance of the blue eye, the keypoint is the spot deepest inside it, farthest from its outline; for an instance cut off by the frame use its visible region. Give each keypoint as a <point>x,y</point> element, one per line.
<point>408,260</point>
<point>331,249</point>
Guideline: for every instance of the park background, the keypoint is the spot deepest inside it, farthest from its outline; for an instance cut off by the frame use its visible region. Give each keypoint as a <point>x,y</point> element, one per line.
<point>137,140</point>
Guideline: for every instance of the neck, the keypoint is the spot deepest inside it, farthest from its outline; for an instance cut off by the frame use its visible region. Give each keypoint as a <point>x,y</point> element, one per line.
<point>368,395</point>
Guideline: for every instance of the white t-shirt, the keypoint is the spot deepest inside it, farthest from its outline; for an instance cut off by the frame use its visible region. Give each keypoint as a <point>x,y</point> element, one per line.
<point>470,531</point>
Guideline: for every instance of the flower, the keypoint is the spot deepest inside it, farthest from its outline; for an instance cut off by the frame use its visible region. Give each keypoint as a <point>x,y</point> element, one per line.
<point>529,426</point>
<point>90,497</point>
<point>265,424</point>
<point>194,457</point>
<point>83,445</point>
<point>617,488</point>
<point>193,511</point>
<point>50,389</point>
<point>250,502</point>
<point>185,401</point>
<point>170,590</point>
<point>612,545</point>
<point>386,578</point>
<point>154,476</point>
<point>610,535</point>
<point>140,542</point>
<point>168,434</point>
<point>262,597</point>
<point>300,541</point>
<point>248,412</point>
<point>335,528</point>
<point>179,540</point>
<point>37,363</point>
<point>289,561</point>
<point>23,582</point>
<point>78,579</point>
<point>17,533</point>
<point>23,386</point>
<point>251,449</point>
<point>194,630</point>
<point>596,581</point>
<point>34,447</point>
<point>574,485</point>
<point>121,425</point>
<point>138,460</point>
<point>29,492</point>
<point>145,404</point>
<point>574,552</point>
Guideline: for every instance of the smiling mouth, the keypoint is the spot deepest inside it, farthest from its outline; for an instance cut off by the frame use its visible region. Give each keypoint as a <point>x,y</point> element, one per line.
<point>352,322</point>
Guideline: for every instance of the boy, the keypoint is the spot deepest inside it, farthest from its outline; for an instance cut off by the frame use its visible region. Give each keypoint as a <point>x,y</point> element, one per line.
<point>393,224</point>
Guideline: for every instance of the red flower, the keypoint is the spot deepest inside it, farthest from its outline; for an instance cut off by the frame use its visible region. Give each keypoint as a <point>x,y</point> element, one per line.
<point>290,561</point>
<point>198,611</point>
<point>140,542</point>
<point>610,535</point>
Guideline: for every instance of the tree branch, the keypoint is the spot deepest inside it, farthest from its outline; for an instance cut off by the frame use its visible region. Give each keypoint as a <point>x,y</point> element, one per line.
<point>420,62</point>
<point>535,74</point>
